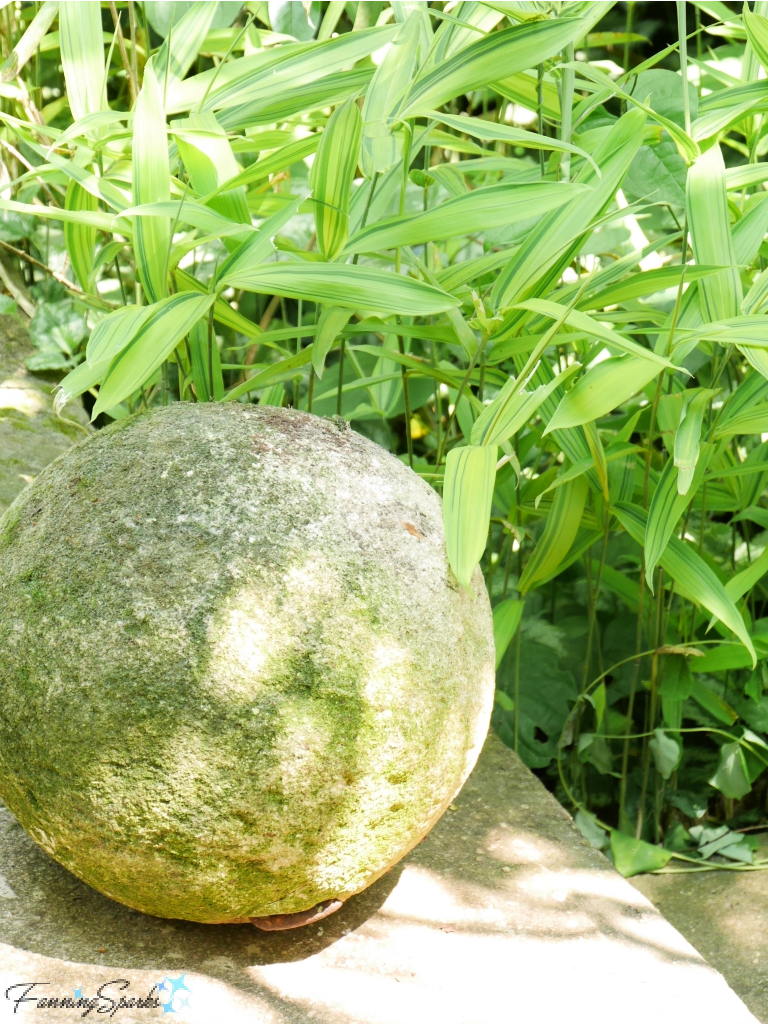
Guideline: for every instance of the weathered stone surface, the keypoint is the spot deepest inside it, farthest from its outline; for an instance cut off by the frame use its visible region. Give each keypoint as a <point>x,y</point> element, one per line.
<point>238,678</point>
<point>503,914</point>
<point>31,435</point>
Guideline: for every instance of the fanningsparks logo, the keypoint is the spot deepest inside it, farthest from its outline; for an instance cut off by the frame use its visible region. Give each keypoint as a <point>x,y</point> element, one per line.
<point>170,994</point>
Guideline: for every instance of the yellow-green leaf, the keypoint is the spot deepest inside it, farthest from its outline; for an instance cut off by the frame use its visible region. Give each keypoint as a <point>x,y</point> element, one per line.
<point>559,533</point>
<point>494,56</point>
<point>490,206</point>
<point>467,493</point>
<point>686,567</point>
<point>80,239</point>
<point>332,321</point>
<point>506,619</point>
<point>82,56</point>
<point>332,174</point>
<point>709,225</point>
<point>357,287</point>
<point>151,184</point>
<point>149,340</point>
<point>602,388</point>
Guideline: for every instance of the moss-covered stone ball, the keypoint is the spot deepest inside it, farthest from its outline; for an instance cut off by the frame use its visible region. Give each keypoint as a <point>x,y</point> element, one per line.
<point>238,677</point>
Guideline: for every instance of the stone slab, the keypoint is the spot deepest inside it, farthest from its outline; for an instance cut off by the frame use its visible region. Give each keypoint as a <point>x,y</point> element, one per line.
<point>503,913</point>
<point>724,914</point>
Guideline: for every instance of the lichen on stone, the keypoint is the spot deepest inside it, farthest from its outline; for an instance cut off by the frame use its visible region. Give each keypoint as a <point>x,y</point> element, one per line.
<point>239,677</point>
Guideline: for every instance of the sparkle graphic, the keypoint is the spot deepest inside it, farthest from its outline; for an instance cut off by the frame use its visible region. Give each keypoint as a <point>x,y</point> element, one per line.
<point>78,992</point>
<point>173,994</point>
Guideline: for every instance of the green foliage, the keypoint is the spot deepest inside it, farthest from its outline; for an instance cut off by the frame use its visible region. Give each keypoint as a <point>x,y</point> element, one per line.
<point>540,283</point>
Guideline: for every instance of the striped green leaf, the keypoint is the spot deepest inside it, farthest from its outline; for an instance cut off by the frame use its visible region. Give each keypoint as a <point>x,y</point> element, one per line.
<point>206,364</point>
<point>688,569</point>
<point>222,311</point>
<point>740,584</point>
<point>149,341</point>
<point>82,56</point>
<point>80,239</point>
<point>667,506</point>
<point>357,287</point>
<point>559,533</point>
<point>603,388</point>
<point>491,206</point>
<point>331,323</point>
<point>83,378</point>
<point>754,421</point>
<point>688,436</point>
<point>95,219</point>
<point>30,41</point>
<point>467,494</point>
<point>332,174</point>
<point>757,34</point>
<point>637,286</point>
<point>553,243</point>
<point>709,225</point>
<point>259,246</point>
<point>151,184</point>
<point>593,329</point>
<point>381,149</point>
<point>491,131</point>
<point>506,619</point>
<point>110,335</point>
<point>327,92</point>
<point>494,56</point>
<point>270,164</point>
<point>265,76</point>
<point>513,408</point>
<point>210,162</point>
<point>179,50</point>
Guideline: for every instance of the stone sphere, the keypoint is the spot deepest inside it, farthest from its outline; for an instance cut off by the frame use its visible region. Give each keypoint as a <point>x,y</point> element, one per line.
<point>238,677</point>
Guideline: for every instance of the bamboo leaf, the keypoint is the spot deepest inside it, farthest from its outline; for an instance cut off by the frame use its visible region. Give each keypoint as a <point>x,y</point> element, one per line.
<point>222,311</point>
<point>757,34</point>
<point>77,382</point>
<point>210,162</point>
<point>467,493</point>
<point>506,619</point>
<point>555,241</point>
<point>113,332</point>
<point>30,41</point>
<point>558,535</point>
<point>332,174</point>
<point>593,329</point>
<point>332,321</point>
<point>602,388</point>
<point>151,184</point>
<point>491,131</point>
<point>82,56</point>
<point>513,408</point>
<point>687,438</point>
<point>709,225</point>
<point>265,76</point>
<point>691,572</point>
<point>80,239</point>
<point>357,287</point>
<point>491,206</point>
<point>667,506</point>
<point>497,55</point>
<point>148,341</point>
<point>271,164</point>
<point>181,47</point>
<point>381,149</point>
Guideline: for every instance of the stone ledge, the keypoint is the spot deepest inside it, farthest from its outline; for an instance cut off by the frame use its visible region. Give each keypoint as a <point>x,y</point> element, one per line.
<point>504,913</point>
